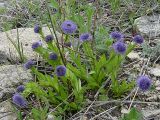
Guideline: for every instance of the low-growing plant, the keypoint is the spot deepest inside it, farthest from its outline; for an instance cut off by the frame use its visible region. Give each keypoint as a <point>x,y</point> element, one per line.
<point>78,68</point>
<point>134,114</point>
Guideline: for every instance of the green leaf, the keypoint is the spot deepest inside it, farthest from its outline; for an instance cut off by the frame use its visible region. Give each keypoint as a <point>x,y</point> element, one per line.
<point>133,115</point>
<point>19,115</point>
<point>74,81</point>
<point>39,114</point>
<point>73,105</point>
<point>54,3</point>
<point>130,48</point>
<point>120,88</point>
<point>33,87</point>
<point>88,50</point>
<point>89,13</point>
<point>81,22</point>
<point>53,82</point>
<point>99,69</point>
<point>115,4</point>
<point>103,97</point>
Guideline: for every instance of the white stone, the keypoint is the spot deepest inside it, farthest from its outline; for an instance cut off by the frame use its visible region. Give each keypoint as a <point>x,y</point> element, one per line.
<point>50,117</point>
<point>2,5</point>
<point>155,72</point>
<point>148,25</point>
<point>26,37</point>
<point>11,75</point>
<point>158,88</point>
<point>157,83</point>
<point>6,111</point>
<point>149,113</point>
<point>124,111</point>
<point>133,55</point>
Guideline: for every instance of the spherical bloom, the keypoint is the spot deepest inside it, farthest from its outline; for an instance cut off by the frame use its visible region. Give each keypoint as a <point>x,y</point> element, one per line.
<point>28,64</point>
<point>68,44</point>
<point>20,88</point>
<point>37,28</point>
<point>138,39</point>
<point>68,27</point>
<point>144,83</point>
<point>61,70</point>
<point>119,47</point>
<point>85,37</point>
<point>19,100</point>
<point>116,35</point>
<point>36,45</point>
<point>49,38</point>
<point>53,56</point>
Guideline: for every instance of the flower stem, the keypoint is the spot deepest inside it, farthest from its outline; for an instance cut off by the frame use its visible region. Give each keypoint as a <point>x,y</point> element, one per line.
<point>57,43</point>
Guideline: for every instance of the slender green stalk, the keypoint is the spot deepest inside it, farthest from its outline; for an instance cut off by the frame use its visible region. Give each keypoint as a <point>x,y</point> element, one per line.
<point>57,42</point>
<point>20,47</point>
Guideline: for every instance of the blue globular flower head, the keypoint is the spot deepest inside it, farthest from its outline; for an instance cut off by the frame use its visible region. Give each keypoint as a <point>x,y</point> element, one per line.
<point>85,37</point>
<point>20,88</point>
<point>53,56</point>
<point>49,38</point>
<point>61,70</point>
<point>119,47</point>
<point>138,39</point>
<point>19,100</point>
<point>37,28</point>
<point>68,44</point>
<point>116,35</point>
<point>68,27</point>
<point>28,64</point>
<point>144,82</point>
<point>36,45</point>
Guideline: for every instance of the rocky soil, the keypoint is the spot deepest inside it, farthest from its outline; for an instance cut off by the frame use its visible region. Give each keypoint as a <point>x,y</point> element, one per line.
<point>12,75</point>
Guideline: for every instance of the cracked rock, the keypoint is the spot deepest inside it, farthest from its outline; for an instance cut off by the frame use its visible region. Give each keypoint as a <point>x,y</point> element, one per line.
<point>11,76</point>
<point>148,25</point>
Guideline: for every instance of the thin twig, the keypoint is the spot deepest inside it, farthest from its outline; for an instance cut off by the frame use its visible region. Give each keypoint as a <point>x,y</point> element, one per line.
<point>96,95</point>
<point>141,72</point>
<point>103,113</point>
<point>101,103</point>
<point>133,99</point>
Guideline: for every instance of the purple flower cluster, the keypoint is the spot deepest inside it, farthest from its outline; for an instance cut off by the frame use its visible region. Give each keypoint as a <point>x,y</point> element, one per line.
<point>49,38</point>
<point>35,45</point>
<point>119,47</point>
<point>28,64</point>
<point>85,37</point>
<point>53,56</point>
<point>138,39</point>
<point>20,88</point>
<point>19,100</point>
<point>37,28</point>
<point>61,70</point>
<point>144,82</point>
<point>116,35</point>
<point>68,27</point>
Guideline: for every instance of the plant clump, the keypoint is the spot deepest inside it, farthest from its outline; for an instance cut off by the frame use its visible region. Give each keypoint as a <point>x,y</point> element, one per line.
<point>79,70</point>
